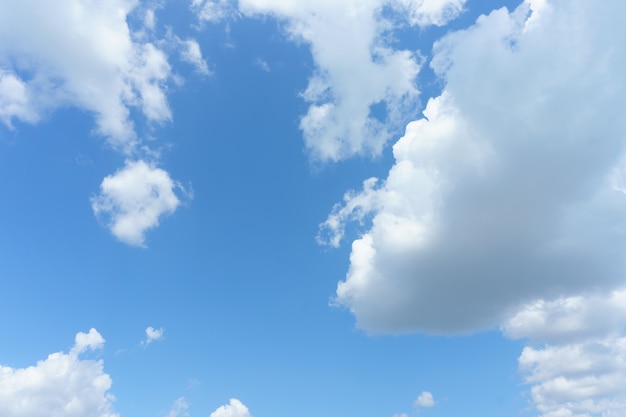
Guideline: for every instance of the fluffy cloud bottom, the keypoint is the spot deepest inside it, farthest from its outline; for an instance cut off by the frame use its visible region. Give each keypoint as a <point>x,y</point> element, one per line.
<point>61,385</point>
<point>132,200</point>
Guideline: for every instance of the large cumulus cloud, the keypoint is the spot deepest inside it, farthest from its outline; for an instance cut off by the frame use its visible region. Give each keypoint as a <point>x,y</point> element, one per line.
<point>509,189</point>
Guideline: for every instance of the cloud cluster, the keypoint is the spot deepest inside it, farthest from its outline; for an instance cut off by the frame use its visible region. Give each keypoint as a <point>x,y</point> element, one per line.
<point>356,68</point>
<point>85,55</point>
<point>62,385</point>
<point>510,187</point>
<point>133,200</point>
<point>577,365</point>
<point>234,408</point>
<point>82,54</point>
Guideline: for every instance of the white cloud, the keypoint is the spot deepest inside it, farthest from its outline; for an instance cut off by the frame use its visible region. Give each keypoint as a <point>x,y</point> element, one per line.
<point>133,200</point>
<point>356,68</point>
<point>234,409</point>
<point>569,319</point>
<point>192,54</point>
<point>578,367</point>
<point>261,63</point>
<point>63,385</point>
<point>14,100</point>
<point>153,334</point>
<point>212,11</point>
<point>504,193</point>
<point>179,409</point>
<point>82,54</point>
<point>425,399</point>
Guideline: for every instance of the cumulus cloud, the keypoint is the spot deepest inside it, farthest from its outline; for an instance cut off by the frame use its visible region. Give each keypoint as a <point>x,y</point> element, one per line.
<point>62,385</point>
<point>153,334</point>
<point>234,408</point>
<point>509,190</point>
<point>577,364</point>
<point>425,399</point>
<point>192,54</point>
<point>134,199</point>
<point>82,54</point>
<point>357,68</point>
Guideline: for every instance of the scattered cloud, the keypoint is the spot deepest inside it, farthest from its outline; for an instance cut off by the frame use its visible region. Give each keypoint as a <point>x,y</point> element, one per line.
<point>153,335</point>
<point>261,63</point>
<point>213,11</point>
<point>15,102</point>
<point>192,54</point>
<point>234,409</point>
<point>509,190</point>
<point>133,200</point>
<point>356,69</point>
<point>62,385</point>
<point>577,363</point>
<point>425,399</point>
<point>82,55</point>
<point>179,409</point>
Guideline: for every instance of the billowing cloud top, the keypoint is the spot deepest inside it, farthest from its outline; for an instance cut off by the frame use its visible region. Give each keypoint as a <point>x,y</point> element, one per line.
<point>132,200</point>
<point>509,189</point>
<point>234,408</point>
<point>61,385</point>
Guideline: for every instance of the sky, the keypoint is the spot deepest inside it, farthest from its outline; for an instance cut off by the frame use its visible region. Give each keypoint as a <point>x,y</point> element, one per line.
<point>278,208</point>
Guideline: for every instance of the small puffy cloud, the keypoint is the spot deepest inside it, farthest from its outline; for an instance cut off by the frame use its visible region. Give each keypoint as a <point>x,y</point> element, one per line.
<point>63,385</point>
<point>233,409</point>
<point>87,341</point>
<point>425,399</point>
<point>510,189</point>
<point>263,65</point>
<point>179,409</point>
<point>134,199</point>
<point>82,54</point>
<point>153,334</point>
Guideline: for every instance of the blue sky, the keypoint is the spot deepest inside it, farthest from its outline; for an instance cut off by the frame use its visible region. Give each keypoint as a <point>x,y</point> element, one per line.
<point>374,208</point>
